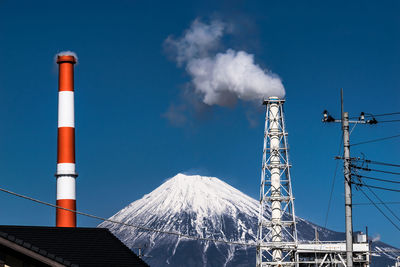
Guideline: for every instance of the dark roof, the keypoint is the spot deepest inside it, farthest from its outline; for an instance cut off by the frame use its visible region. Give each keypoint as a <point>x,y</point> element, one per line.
<point>73,246</point>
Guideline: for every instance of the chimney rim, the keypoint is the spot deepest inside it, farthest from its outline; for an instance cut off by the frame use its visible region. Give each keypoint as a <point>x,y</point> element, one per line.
<point>66,59</point>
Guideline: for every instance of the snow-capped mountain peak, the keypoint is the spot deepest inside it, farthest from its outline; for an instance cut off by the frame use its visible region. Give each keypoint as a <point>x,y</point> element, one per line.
<point>199,206</point>
<point>201,200</point>
<point>199,194</point>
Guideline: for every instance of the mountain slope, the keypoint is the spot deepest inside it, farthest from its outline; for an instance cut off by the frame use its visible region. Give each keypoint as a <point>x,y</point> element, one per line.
<point>204,207</point>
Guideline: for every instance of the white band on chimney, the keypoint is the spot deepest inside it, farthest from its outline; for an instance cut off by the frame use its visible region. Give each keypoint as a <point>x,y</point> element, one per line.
<point>66,168</point>
<point>66,109</point>
<point>66,187</point>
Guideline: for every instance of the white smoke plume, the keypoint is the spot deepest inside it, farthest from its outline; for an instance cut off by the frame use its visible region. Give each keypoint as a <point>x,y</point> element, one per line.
<point>225,77</point>
<point>221,78</point>
<point>196,42</point>
<point>376,238</point>
<point>66,53</point>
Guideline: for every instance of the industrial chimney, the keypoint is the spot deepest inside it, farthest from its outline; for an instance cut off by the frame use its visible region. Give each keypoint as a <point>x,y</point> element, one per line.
<point>66,174</point>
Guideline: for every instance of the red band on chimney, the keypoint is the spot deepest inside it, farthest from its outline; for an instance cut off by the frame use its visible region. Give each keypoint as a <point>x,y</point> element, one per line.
<point>66,145</point>
<point>66,218</point>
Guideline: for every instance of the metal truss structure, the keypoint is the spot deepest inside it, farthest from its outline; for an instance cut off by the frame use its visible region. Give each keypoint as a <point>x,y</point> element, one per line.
<point>276,238</point>
<point>277,242</point>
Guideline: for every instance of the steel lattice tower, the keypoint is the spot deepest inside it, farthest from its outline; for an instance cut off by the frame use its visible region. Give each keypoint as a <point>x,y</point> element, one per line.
<point>276,238</point>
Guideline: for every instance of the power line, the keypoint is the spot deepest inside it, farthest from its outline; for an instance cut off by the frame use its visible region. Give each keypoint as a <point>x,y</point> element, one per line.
<point>376,140</point>
<point>377,187</point>
<point>384,114</point>
<point>333,183</point>
<point>375,115</point>
<point>375,170</point>
<point>389,121</point>
<point>380,210</point>
<point>381,202</point>
<point>381,163</point>
<point>377,179</point>
<point>144,228</point>
<point>366,203</point>
<point>388,172</point>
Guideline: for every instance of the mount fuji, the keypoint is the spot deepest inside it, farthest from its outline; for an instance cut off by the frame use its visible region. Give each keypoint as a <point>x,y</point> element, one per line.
<point>206,207</point>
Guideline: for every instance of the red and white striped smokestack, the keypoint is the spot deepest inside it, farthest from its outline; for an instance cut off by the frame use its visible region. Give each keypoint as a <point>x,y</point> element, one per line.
<point>66,173</point>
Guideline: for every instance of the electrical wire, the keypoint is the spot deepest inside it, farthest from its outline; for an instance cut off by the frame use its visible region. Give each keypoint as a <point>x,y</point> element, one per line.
<point>381,202</point>
<point>378,208</point>
<point>375,170</point>
<point>376,187</point>
<point>388,172</point>
<point>365,203</point>
<point>352,129</point>
<point>384,114</point>
<point>375,140</point>
<point>389,121</point>
<point>377,179</point>
<point>333,183</point>
<point>381,163</point>
<point>373,115</point>
<point>144,228</point>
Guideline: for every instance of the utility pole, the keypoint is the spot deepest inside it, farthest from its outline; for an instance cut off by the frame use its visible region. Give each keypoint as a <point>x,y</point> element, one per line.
<point>347,172</point>
<point>347,184</point>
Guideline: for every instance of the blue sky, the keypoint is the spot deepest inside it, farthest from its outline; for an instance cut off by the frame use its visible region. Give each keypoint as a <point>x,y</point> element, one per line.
<point>125,82</point>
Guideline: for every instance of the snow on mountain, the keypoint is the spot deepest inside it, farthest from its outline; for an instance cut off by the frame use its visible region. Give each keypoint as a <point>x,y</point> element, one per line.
<point>204,196</point>
<point>204,207</point>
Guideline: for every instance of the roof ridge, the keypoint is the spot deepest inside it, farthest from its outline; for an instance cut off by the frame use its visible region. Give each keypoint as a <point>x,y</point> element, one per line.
<point>36,249</point>
<point>71,246</point>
